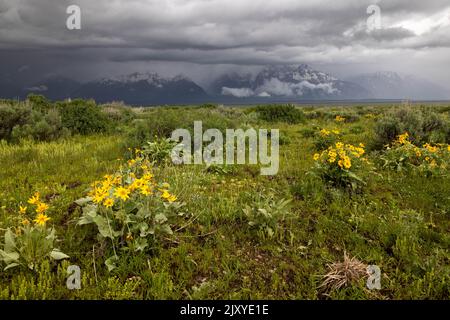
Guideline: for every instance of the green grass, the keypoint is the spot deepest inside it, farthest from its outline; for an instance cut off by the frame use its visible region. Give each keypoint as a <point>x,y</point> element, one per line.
<point>400,222</point>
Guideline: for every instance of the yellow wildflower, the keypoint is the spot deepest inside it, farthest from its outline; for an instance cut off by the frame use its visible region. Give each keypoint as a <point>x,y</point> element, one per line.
<point>172,198</point>
<point>122,193</point>
<point>347,163</point>
<point>22,210</point>
<point>167,196</point>
<point>117,180</point>
<point>148,176</point>
<point>430,148</point>
<point>316,156</point>
<point>41,207</point>
<point>108,203</point>
<point>146,190</point>
<point>41,219</point>
<point>403,138</point>
<point>99,196</point>
<point>34,199</point>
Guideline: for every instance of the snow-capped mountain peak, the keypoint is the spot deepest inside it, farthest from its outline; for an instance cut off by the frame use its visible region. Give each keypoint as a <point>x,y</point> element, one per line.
<point>288,81</point>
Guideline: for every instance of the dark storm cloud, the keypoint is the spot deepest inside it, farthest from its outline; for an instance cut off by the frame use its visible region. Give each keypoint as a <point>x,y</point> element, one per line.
<point>235,32</point>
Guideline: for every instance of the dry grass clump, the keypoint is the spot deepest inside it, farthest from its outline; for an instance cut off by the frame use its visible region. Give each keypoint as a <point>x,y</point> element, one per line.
<point>342,274</point>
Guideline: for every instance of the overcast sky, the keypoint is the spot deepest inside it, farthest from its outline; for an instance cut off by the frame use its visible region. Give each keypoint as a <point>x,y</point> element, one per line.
<point>201,38</point>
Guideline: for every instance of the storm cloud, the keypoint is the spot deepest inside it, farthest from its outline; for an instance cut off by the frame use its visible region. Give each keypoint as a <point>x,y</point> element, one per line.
<point>204,37</point>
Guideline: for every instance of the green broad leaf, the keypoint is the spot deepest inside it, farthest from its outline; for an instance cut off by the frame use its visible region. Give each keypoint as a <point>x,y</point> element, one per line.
<point>83,201</point>
<point>143,212</point>
<point>104,229</point>
<point>58,255</point>
<point>160,218</point>
<point>10,243</point>
<point>166,228</point>
<point>89,212</point>
<point>140,244</point>
<point>11,265</point>
<point>84,220</point>
<point>111,263</point>
<point>9,257</point>
<point>143,228</point>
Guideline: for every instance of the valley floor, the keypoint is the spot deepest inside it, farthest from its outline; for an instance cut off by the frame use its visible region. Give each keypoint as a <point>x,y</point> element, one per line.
<point>398,221</point>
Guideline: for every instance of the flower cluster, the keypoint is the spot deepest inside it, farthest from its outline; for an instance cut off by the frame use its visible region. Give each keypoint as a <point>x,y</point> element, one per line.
<point>325,138</point>
<point>338,163</point>
<point>402,153</point>
<point>40,210</point>
<point>341,155</point>
<point>136,180</point>
<point>326,133</point>
<point>339,119</point>
<point>130,208</point>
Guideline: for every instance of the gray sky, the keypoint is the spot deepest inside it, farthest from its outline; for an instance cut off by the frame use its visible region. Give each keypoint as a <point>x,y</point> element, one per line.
<point>201,38</point>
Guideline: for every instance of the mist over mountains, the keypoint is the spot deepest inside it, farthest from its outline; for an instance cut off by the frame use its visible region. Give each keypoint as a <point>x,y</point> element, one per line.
<point>275,83</point>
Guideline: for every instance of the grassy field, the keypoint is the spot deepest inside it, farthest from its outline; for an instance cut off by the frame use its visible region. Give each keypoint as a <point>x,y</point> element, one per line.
<point>395,215</point>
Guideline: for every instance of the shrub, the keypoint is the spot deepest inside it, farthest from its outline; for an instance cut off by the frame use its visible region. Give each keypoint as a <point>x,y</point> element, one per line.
<point>385,131</point>
<point>118,112</point>
<point>422,125</point>
<point>41,127</point>
<point>308,132</point>
<point>280,113</point>
<point>160,123</point>
<point>84,117</point>
<point>11,116</point>
<point>39,102</point>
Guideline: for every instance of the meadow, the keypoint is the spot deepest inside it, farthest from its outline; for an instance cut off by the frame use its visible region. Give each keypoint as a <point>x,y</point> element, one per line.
<point>93,186</point>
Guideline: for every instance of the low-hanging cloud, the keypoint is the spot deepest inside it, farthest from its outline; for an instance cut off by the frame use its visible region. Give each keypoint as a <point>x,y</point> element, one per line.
<point>276,87</point>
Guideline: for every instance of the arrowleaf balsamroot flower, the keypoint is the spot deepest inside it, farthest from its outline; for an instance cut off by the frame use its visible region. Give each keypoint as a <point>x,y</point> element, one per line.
<point>122,193</point>
<point>41,219</point>
<point>108,203</point>
<point>34,199</point>
<point>41,207</point>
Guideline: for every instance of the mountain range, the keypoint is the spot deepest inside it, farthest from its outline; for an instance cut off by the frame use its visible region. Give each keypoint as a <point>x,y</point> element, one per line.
<point>279,83</point>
